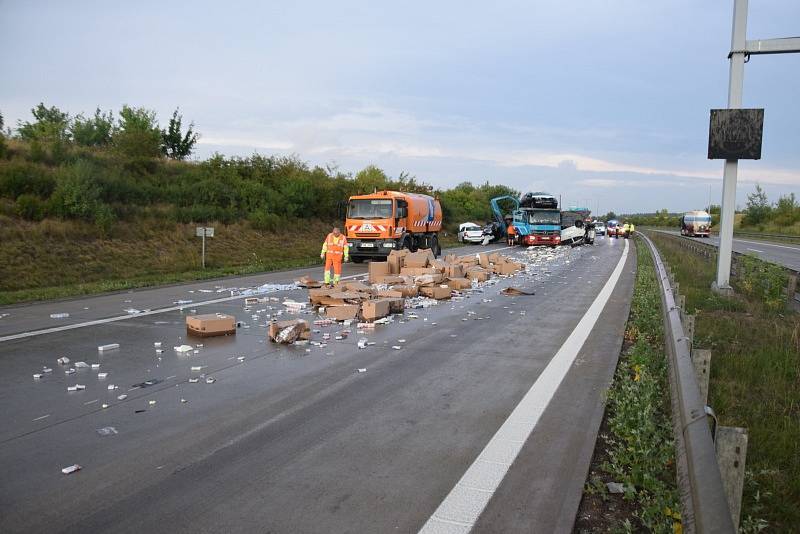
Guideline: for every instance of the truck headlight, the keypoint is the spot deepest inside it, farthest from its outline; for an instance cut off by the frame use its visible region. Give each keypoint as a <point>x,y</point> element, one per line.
<point>389,245</point>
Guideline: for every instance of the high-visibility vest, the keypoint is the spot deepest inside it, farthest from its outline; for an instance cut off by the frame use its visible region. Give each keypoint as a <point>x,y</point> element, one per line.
<point>631,228</point>
<point>511,230</point>
<point>626,227</point>
<point>335,246</point>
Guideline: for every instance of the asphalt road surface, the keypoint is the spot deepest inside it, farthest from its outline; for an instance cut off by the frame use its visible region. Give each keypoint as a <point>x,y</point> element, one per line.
<point>484,418</point>
<point>782,254</point>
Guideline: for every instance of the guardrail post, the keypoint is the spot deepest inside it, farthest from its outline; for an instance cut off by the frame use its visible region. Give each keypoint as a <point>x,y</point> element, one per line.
<point>791,289</point>
<point>701,358</point>
<point>681,302</point>
<point>688,325</point>
<point>731,446</point>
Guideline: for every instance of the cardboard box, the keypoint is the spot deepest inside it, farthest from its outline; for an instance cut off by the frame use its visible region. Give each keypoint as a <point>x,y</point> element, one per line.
<point>347,295</point>
<point>506,268</point>
<point>459,284</point>
<point>408,290</point>
<point>396,260</point>
<point>450,258</point>
<point>389,294</point>
<point>416,260</point>
<point>494,257</point>
<point>483,259</point>
<point>392,279</point>
<point>300,331</point>
<point>429,279</point>
<point>439,265</point>
<point>342,313</point>
<point>478,274</point>
<point>314,295</point>
<point>210,324</point>
<point>376,270</point>
<point>358,287</point>
<point>417,271</point>
<point>374,309</point>
<point>396,304</point>
<point>435,292</point>
<point>455,270</point>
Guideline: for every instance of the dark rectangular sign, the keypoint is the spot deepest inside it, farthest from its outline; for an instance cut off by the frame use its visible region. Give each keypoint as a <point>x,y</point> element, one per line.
<point>735,133</point>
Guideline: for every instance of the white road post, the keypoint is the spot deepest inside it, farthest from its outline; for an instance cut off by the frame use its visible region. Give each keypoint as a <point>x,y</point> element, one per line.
<point>735,88</point>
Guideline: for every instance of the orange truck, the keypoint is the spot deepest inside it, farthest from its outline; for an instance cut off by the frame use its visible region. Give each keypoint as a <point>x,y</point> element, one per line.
<point>387,220</point>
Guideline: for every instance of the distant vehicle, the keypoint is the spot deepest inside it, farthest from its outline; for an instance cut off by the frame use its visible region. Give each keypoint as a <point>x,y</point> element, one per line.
<point>696,224</point>
<point>538,199</point>
<point>469,232</point>
<point>599,228</point>
<point>613,228</point>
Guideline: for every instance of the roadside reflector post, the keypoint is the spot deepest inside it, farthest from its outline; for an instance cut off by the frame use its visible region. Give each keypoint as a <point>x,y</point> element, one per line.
<point>731,446</point>
<point>689,325</point>
<point>204,232</point>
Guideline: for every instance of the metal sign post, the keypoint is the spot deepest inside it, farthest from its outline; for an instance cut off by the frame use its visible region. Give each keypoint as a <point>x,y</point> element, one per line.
<point>741,50</point>
<point>204,232</point>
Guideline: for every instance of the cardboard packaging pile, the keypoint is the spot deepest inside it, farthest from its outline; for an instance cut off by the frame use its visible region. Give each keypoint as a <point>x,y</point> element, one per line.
<point>404,275</point>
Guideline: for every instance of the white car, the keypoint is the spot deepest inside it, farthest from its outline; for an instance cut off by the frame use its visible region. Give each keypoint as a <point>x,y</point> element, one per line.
<point>470,233</point>
<point>600,228</point>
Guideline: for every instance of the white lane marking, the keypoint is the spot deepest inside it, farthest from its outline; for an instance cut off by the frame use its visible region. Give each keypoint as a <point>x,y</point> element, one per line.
<point>756,250</point>
<point>466,501</point>
<point>42,417</point>
<point>96,322</point>
<point>796,249</point>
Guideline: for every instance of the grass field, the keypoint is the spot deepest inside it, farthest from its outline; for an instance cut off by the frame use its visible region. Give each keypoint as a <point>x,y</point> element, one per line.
<point>55,258</point>
<point>755,383</point>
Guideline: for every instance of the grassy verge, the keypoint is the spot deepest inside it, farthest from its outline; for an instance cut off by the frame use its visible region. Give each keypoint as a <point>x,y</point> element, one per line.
<point>58,259</point>
<point>755,380</point>
<point>635,447</point>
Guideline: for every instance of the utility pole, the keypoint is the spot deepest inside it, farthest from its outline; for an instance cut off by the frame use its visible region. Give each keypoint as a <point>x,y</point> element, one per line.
<point>741,50</point>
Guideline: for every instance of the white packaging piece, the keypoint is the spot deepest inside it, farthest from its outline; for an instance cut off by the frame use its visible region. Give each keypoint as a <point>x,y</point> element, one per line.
<point>111,387</point>
<point>210,380</point>
<point>196,368</point>
<point>183,348</point>
<point>81,365</point>
<point>101,376</point>
<point>122,397</point>
<point>69,371</point>
<point>72,388</point>
<point>59,315</point>
<point>156,344</point>
<point>63,360</point>
<point>194,380</point>
<point>71,469</point>
<point>361,370</point>
<point>37,376</point>
<point>95,366</point>
<point>110,346</point>
<point>362,343</point>
<point>80,387</point>
<point>46,370</point>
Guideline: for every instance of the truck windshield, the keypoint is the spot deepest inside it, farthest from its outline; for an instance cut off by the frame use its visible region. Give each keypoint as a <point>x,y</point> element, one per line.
<point>544,217</point>
<point>368,208</point>
<point>698,218</point>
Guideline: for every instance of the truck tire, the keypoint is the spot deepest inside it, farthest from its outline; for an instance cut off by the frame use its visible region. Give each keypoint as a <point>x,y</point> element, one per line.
<point>357,259</point>
<point>435,248</point>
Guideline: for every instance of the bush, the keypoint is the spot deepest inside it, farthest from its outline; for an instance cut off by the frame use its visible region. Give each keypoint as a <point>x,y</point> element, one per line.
<point>21,178</point>
<point>268,222</point>
<point>104,218</point>
<point>77,194</point>
<point>762,280</point>
<point>30,207</point>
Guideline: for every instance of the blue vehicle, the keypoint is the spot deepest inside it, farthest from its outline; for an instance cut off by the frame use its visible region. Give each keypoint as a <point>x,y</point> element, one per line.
<point>534,226</point>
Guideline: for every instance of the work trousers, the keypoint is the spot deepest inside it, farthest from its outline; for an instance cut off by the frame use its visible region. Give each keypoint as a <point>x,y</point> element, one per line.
<point>333,261</point>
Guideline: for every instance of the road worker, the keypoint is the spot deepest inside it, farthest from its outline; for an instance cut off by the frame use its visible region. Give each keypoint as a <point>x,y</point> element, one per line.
<point>334,250</point>
<point>626,228</point>
<point>512,234</point>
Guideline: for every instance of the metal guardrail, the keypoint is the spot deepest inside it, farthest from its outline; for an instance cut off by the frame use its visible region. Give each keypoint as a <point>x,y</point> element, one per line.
<point>709,251</point>
<point>704,505</point>
<point>773,236</point>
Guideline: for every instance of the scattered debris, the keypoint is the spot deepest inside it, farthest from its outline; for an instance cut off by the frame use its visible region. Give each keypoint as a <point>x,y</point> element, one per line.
<point>210,380</point>
<point>81,365</point>
<point>210,324</point>
<point>69,371</point>
<point>59,315</point>
<point>152,402</point>
<point>110,346</point>
<point>101,376</point>
<point>615,487</point>
<point>361,370</point>
<point>37,376</point>
<point>63,360</point>
<point>183,348</point>
<point>515,292</point>
<point>146,383</point>
<point>308,282</point>
<point>107,431</point>
<point>71,469</point>
<point>287,332</point>
<point>157,344</point>
<point>122,397</point>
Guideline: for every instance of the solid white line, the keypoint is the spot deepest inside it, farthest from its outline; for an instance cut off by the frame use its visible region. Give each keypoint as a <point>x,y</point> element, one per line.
<point>466,501</point>
<point>756,250</point>
<point>96,322</point>
<point>764,243</point>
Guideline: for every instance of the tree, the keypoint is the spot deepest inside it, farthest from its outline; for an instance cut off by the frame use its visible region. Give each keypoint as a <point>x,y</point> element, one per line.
<point>94,131</point>
<point>51,125</point>
<point>175,145</point>
<point>758,208</point>
<point>137,136</point>
<point>787,211</point>
<point>610,215</point>
<point>370,179</point>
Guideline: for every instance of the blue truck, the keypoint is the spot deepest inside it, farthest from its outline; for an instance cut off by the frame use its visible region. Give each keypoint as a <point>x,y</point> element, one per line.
<point>534,225</point>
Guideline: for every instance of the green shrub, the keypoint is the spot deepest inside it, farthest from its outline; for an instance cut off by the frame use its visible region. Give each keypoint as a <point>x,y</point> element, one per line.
<point>268,222</point>
<point>21,177</point>
<point>77,193</point>
<point>104,218</point>
<point>762,280</point>
<point>30,207</point>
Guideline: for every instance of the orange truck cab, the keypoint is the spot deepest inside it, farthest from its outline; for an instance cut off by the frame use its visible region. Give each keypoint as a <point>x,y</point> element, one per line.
<point>384,221</point>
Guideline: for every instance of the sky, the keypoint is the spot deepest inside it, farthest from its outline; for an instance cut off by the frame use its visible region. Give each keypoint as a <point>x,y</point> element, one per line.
<point>604,102</point>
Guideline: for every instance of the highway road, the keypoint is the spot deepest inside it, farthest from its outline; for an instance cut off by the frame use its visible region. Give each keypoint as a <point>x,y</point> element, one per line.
<point>782,254</point>
<point>484,419</point>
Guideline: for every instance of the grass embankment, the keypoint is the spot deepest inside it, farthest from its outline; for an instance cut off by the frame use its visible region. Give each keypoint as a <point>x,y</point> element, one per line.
<point>755,379</point>
<point>55,258</point>
<point>635,446</point>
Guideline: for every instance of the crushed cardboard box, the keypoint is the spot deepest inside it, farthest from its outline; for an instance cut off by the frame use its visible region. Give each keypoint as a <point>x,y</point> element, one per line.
<point>308,282</point>
<point>435,292</point>
<point>289,331</point>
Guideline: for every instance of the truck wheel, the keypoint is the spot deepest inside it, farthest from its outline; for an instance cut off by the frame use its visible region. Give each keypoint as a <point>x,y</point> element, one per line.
<point>435,248</point>
<point>358,260</point>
